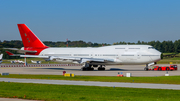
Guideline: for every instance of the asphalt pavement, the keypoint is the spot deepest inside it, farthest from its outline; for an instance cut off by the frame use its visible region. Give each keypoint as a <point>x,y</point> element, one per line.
<point>93,83</point>
<point>111,70</point>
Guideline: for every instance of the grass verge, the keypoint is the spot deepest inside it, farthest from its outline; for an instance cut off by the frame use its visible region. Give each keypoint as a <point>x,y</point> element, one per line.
<point>84,93</point>
<point>160,79</point>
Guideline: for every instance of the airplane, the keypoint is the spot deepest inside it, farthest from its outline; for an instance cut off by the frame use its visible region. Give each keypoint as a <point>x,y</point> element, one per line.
<point>17,61</point>
<point>37,62</point>
<point>92,58</point>
<point>20,62</point>
<point>1,58</point>
<point>13,61</point>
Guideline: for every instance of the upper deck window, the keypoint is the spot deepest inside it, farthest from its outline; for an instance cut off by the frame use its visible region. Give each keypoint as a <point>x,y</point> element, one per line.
<point>119,48</point>
<point>151,48</point>
<point>134,48</point>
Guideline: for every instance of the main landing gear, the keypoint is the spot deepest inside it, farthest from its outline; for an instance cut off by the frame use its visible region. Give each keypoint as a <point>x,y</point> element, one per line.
<point>102,67</point>
<point>146,68</point>
<point>89,67</point>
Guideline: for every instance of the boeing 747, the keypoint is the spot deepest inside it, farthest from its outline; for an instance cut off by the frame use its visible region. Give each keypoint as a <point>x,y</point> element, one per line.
<point>90,57</point>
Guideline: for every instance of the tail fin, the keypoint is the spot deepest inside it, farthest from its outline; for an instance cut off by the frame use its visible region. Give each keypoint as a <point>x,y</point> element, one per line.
<point>29,38</point>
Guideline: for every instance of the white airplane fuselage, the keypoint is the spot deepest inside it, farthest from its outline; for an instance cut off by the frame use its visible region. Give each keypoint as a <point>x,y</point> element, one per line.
<point>117,54</point>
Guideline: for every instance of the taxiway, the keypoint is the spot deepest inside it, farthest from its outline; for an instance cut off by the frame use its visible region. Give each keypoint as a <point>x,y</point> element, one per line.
<point>135,70</point>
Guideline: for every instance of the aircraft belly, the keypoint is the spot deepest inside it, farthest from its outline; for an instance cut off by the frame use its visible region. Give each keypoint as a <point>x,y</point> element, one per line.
<point>107,63</point>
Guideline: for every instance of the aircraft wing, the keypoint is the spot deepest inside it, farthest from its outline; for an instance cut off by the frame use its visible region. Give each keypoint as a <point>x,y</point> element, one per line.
<point>35,56</point>
<point>82,59</point>
<point>75,59</point>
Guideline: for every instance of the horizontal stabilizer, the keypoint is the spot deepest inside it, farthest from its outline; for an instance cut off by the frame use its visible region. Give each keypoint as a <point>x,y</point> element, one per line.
<point>20,51</point>
<point>11,54</point>
<point>26,51</point>
<point>11,48</point>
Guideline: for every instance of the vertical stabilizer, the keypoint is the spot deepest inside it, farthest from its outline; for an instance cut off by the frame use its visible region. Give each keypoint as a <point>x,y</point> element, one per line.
<point>29,38</point>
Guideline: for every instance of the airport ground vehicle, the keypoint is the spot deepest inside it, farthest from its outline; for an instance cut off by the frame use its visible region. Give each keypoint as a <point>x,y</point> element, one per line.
<point>165,68</point>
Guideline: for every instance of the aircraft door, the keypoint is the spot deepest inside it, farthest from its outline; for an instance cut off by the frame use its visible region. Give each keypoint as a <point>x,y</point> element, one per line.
<point>118,58</point>
<point>91,54</point>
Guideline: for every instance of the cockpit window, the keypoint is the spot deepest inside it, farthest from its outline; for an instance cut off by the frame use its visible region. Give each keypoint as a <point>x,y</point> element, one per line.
<point>151,48</point>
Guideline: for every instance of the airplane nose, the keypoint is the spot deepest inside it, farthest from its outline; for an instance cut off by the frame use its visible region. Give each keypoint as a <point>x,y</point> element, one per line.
<point>161,55</point>
<point>157,56</point>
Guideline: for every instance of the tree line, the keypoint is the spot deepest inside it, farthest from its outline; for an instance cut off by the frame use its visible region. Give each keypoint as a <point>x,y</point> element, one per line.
<point>164,47</point>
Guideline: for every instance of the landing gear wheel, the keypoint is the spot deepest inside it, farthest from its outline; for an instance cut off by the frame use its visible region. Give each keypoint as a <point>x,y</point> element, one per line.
<point>87,69</point>
<point>101,68</point>
<point>83,69</point>
<point>91,69</point>
<point>146,69</point>
<point>159,69</point>
<point>167,69</point>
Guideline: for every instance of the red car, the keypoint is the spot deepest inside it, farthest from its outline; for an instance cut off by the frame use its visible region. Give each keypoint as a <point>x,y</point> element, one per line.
<point>165,68</point>
<point>174,66</point>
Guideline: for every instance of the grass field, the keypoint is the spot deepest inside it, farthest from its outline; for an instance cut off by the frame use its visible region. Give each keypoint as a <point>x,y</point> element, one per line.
<point>161,79</point>
<point>170,57</point>
<point>84,93</point>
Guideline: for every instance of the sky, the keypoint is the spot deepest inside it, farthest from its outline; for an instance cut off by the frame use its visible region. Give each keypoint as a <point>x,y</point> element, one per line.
<point>96,21</point>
